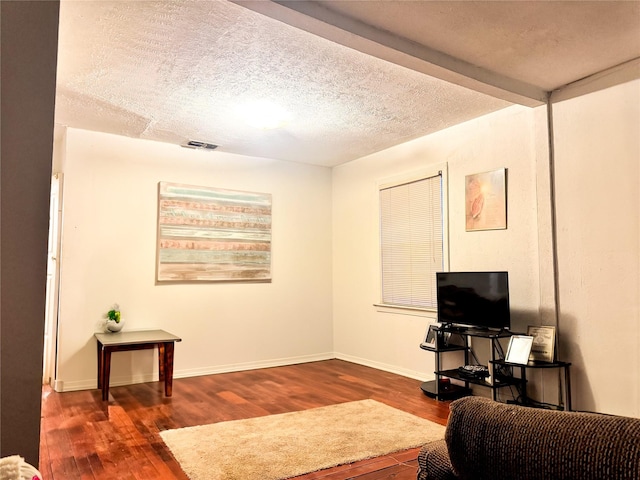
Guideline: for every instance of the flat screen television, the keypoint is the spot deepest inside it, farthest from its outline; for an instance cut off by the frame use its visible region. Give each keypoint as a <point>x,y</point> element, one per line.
<point>474,299</point>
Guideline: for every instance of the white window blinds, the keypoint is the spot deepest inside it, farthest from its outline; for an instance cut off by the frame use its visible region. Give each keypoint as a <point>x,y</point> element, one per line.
<point>412,246</point>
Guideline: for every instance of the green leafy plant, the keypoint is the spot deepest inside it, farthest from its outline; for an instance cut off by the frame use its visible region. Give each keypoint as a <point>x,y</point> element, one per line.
<point>114,314</point>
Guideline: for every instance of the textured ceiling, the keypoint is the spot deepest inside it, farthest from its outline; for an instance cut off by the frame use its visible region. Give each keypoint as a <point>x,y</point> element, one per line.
<point>177,70</point>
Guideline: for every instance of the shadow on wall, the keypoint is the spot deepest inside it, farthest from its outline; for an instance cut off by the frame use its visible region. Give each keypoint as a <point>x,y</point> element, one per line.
<point>521,319</point>
<point>569,351</point>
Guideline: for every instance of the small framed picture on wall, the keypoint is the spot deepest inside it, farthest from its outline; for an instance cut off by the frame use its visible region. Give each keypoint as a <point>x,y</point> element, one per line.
<point>486,200</point>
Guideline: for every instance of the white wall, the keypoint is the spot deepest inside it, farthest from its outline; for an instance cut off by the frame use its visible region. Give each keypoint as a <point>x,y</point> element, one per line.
<point>597,144</point>
<point>311,312</point>
<point>390,340</point>
<point>109,251</point>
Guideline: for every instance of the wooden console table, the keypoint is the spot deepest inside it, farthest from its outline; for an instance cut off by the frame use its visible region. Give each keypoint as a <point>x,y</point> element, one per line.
<point>136,340</point>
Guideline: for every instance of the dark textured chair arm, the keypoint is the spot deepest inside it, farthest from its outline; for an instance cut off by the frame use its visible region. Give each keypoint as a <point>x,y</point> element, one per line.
<point>433,462</point>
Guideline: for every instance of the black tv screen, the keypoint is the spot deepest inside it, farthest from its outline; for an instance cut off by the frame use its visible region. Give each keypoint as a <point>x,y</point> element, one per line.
<point>476,299</point>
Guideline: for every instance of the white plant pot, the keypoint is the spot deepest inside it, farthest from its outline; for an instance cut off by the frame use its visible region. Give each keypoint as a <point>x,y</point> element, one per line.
<point>113,326</point>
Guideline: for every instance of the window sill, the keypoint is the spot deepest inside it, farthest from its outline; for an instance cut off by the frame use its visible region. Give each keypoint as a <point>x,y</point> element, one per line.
<point>404,310</point>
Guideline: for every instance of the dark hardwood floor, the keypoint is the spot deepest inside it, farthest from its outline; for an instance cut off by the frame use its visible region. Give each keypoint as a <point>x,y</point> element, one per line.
<point>83,437</point>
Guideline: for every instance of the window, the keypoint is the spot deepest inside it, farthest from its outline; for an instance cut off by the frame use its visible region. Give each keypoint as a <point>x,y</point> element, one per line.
<point>412,239</point>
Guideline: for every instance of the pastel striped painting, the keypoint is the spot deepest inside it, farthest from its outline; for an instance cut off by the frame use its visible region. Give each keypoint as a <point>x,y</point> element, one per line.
<point>212,235</point>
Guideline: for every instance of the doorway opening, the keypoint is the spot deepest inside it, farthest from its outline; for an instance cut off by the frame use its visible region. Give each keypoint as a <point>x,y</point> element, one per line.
<point>53,281</point>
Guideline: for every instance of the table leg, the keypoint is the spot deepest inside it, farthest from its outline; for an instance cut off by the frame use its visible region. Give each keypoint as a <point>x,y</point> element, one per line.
<point>161,362</point>
<point>494,391</point>
<point>168,368</point>
<point>100,372</point>
<point>567,388</point>
<point>106,367</point>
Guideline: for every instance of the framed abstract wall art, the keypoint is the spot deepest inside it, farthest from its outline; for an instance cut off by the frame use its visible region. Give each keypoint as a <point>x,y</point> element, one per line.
<point>212,235</point>
<point>486,200</point>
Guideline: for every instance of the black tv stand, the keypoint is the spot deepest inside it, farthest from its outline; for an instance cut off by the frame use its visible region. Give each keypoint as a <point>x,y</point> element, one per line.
<point>525,400</point>
<point>454,328</point>
<point>452,338</point>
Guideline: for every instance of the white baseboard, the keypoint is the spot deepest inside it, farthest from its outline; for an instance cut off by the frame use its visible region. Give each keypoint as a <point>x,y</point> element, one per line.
<point>92,383</point>
<point>240,367</point>
<point>421,376</point>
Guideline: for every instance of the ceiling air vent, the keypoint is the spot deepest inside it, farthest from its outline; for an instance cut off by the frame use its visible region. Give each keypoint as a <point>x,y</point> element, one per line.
<point>199,145</point>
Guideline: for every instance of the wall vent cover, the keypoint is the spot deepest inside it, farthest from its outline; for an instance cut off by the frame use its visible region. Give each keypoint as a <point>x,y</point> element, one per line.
<point>199,145</point>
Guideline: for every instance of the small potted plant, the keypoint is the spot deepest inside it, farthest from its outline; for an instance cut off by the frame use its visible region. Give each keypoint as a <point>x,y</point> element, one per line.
<point>114,319</point>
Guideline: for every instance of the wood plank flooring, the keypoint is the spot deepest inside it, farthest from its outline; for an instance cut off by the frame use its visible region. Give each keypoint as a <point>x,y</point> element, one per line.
<point>83,437</point>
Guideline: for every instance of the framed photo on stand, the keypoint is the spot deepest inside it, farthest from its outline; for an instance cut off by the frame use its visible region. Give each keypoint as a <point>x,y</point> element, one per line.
<point>544,343</point>
<point>519,349</point>
<point>433,337</point>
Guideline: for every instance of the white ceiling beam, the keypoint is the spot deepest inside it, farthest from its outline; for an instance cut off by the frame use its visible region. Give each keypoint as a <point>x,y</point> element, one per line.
<point>625,72</point>
<point>314,18</point>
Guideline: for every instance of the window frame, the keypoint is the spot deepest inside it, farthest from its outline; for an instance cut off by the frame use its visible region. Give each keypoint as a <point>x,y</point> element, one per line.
<point>414,176</point>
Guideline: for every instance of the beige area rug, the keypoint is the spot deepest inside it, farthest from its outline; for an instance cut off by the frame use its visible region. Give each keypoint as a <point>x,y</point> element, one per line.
<point>290,444</point>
